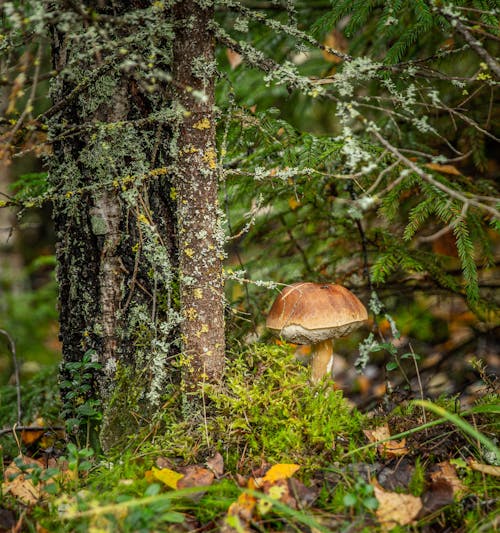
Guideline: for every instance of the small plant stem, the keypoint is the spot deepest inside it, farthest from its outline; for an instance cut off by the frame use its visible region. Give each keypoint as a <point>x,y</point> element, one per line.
<point>322,360</point>
<point>424,417</point>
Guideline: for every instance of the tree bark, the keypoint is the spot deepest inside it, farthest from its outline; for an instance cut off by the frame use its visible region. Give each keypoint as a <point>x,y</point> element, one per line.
<point>196,184</point>
<point>116,227</point>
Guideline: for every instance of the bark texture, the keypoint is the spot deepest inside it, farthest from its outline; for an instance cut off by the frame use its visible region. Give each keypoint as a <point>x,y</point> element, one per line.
<point>200,238</point>
<point>115,221</point>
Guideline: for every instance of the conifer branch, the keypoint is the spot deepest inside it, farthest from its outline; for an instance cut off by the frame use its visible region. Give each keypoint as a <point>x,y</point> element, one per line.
<point>429,179</point>
<point>472,42</point>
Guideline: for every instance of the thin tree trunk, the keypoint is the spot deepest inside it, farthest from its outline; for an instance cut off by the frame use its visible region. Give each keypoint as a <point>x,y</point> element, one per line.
<point>196,184</point>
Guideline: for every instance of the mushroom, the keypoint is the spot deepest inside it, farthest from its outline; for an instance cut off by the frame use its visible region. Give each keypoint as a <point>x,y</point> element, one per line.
<point>316,313</point>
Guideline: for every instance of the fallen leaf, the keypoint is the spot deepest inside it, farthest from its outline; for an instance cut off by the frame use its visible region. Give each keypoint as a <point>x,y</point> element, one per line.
<point>276,492</point>
<point>445,472</point>
<point>444,169</point>
<point>304,496</point>
<point>485,469</point>
<point>216,464</point>
<point>396,474</point>
<point>167,476</point>
<point>243,507</point>
<point>195,476</point>
<point>280,471</point>
<point>390,448</point>
<point>444,486</point>
<point>19,485</point>
<point>394,508</point>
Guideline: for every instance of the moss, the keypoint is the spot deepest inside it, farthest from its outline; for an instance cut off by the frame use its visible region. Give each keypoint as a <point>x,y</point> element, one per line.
<point>123,411</point>
<point>267,408</point>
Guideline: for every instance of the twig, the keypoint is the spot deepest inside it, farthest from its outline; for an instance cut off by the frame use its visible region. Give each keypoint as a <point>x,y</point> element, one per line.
<point>429,179</point>
<point>17,428</point>
<point>12,346</point>
<point>472,42</point>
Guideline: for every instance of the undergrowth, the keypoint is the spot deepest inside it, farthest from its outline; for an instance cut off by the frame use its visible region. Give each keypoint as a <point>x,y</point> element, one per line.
<point>266,413</point>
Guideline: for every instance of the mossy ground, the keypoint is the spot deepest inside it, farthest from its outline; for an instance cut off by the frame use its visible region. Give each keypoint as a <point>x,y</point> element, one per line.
<point>266,413</point>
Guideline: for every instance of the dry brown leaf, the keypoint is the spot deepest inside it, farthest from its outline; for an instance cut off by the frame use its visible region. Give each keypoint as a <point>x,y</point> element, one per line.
<point>195,476</point>
<point>234,58</point>
<point>485,469</point>
<point>444,169</point>
<point>390,448</point>
<point>19,486</point>
<point>216,464</point>
<point>394,508</point>
<point>336,40</point>
<point>445,472</point>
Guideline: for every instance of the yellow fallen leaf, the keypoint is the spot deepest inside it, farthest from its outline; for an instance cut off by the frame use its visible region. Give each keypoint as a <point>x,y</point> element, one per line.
<point>280,471</point>
<point>275,492</point>
<point>293,203</point>
<point>444,169</point>
<point>243,506</point>
<point>167,476</point>
<point>394,508</point>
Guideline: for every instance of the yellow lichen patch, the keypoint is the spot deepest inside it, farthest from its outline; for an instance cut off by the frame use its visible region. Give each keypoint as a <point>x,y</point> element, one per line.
<point>198,294</point>
<point>190,149</point>
<point>173,193</point>
<point>210,158</point>
<point>189,252</point>
<point>160,171</point>
<point>191,313</point>
<point>203,329</point>
<point>142,218</point>
<point>202,124</point>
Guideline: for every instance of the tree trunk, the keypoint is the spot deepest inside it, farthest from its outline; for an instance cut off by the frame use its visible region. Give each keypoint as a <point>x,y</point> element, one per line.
<point>200,236</point>
<point>116,223</point>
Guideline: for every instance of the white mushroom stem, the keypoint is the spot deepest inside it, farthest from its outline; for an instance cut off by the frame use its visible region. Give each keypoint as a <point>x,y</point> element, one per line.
<point>322,360</point>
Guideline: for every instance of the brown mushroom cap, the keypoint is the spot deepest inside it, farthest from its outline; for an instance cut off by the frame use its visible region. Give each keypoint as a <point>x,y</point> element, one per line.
<point>308,313</point>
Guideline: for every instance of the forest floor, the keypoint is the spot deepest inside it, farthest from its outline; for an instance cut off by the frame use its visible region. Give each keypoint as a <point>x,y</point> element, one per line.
<point>368,452</point>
